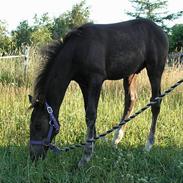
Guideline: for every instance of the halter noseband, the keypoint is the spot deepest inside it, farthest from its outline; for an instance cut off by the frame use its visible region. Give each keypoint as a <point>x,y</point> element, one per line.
<point>53,125</point>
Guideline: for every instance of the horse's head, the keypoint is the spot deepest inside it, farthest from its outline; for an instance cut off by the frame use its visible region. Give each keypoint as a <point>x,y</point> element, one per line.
<point>43,127</point>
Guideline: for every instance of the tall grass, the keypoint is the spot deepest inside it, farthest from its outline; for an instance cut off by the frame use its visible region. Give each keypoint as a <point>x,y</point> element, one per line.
<point>128,164</point>
<point>12,70</point>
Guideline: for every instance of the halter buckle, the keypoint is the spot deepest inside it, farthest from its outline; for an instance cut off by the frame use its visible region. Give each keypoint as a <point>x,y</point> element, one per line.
<point>49,109</point>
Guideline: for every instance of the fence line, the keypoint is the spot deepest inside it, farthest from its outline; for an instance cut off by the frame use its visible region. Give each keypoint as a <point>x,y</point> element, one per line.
<point>26,59</point>
<point>13,56</point>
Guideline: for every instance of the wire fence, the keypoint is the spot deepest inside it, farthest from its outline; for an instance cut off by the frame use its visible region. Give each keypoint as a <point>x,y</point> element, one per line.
<point>175,58</point>
<point>24,56</point>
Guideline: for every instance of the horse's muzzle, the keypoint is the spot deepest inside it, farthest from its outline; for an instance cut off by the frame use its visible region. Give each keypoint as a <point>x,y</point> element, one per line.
<point>37,152</point>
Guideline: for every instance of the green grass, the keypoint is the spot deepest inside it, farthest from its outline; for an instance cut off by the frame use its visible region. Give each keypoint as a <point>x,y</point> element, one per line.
<point>127,164</point>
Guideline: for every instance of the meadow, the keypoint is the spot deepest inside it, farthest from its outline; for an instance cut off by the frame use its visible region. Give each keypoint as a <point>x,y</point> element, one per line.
<point>126,164</point>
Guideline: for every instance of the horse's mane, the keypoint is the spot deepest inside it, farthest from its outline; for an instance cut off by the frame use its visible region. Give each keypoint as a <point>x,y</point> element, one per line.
<point>49,54</point>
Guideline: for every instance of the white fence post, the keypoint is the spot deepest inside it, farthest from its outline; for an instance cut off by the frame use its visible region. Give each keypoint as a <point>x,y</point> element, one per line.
<point>25,57</point>
<point>26,60</point>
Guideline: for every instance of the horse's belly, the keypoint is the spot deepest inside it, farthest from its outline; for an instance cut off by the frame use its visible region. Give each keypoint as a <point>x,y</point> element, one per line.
<point>119,68</point>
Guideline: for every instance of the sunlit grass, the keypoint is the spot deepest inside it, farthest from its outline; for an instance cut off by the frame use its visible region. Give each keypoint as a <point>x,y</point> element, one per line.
<point>128,164</point>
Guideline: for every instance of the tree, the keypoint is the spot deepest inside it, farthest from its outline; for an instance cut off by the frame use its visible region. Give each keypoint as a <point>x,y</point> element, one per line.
<point>22,35</point>
<point>60,27</point>
<point>43,21</point>
<point>5,40</point>
<point>154,10</point>
<point>78,15</point>
<point>41,30</point>
<point>71,19</point>
<point>41,36</point>
<point>176,37</point>
<point>44,29</point>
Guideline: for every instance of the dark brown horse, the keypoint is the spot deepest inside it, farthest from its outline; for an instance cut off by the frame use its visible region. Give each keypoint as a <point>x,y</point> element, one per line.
<point>89,55</point>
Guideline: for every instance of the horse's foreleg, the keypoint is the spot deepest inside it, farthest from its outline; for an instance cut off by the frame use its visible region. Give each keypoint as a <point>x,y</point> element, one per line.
<point>130,98</point>
<point>91,97</point>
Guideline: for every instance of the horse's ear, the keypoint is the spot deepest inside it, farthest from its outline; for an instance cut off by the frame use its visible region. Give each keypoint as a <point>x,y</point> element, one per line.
<point>30,99</point>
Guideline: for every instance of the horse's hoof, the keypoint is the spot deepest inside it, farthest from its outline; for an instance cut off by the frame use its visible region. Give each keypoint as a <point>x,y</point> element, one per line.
<point>82,163</point>
<point>148,147</point>
<point>114,146</point>
<point>116,141</point>
<point>118,137</point>
<point>84,160</point>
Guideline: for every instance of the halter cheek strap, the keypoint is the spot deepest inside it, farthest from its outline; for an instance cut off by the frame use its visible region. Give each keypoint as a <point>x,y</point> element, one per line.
<point>53,123</point>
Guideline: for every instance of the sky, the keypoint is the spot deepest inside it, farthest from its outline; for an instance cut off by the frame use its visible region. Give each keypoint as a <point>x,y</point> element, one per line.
<point>102,11</point>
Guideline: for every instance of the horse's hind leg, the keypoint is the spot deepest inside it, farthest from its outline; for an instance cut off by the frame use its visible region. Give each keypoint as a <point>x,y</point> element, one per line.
<point>91,97</point>
<point>130,98</point>
<point>155,81</point>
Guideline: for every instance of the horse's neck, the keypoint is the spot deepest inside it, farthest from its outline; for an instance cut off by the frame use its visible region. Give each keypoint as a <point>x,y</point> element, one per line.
<point>57,86</point>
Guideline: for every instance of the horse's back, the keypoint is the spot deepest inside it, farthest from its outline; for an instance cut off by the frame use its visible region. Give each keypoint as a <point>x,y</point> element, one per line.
<point>120,49</point>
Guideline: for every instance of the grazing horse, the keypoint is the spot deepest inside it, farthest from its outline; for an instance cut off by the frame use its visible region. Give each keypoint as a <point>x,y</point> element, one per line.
<point>90,55</point>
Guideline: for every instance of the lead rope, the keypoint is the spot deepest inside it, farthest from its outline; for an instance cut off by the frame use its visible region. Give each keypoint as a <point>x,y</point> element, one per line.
<point>58,150</point>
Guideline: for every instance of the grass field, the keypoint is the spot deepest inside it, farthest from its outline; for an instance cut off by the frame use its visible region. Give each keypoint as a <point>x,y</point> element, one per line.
<point>127,164</point>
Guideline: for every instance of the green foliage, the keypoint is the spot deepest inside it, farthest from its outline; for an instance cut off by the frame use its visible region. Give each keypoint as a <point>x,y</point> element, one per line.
<point>154,10</point>
<point>5,40</point>
<point>44,20</point>
<point>148,8</point>
<point>78,15</point>
<point>43,30</point>
<point>41,36</point>
<point>71,19</point>
<point>41,33</point>
<point>60,27</point>
<point>176,37</point>
<point>22,35</point>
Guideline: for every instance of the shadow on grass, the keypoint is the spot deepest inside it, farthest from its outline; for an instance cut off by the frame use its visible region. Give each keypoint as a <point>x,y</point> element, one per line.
<point>125,164</point>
